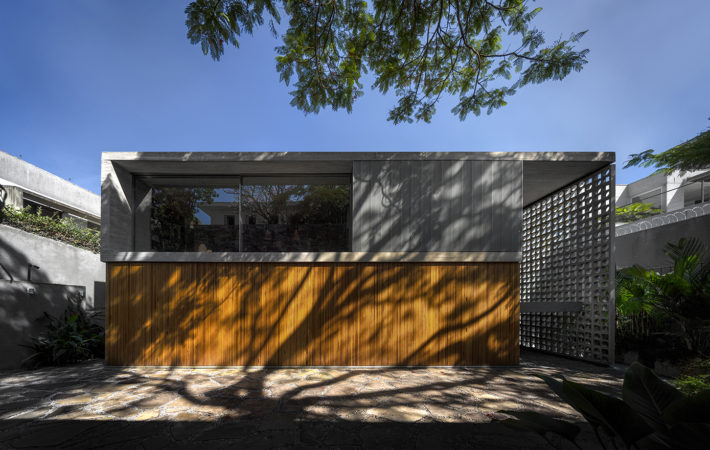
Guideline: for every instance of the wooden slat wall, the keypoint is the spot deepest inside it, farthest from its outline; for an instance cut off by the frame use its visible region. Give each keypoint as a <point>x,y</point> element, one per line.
<point>334,314</point>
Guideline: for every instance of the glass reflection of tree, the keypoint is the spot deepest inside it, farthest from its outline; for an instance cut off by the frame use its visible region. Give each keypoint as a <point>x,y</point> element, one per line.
<point>295,217</point>
<point>270,202</point>
<point>297,204</point>
<point>174,216</point>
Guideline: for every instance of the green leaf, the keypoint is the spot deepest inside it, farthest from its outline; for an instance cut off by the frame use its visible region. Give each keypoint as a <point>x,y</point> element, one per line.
<point>612,414</point>
<point>556,387</point>
<point>648,395</point>
<point>328,46</point>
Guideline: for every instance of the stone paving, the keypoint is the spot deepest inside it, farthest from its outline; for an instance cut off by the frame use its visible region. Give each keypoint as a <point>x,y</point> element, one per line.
<point>90,405</point>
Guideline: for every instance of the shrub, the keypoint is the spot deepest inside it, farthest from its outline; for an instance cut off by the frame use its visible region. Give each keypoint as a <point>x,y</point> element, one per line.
<point>48,226</point>
<point>636,211</point>
<point>676,303</point>
<point>650,414</point>
<point>694,377</point>
<point>73,337</point>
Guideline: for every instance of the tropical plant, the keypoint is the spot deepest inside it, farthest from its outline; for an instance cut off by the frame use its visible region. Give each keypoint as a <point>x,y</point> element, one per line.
<point>636,211</point>
<point>650,414</point>
<point>681,296</point>
<point>73,337</point>
<point>637,313</point>
<point>420,50</point>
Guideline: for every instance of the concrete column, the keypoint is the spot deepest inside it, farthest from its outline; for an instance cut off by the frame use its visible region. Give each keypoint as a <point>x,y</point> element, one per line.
<point>14,197</point>
<point>675,193</point>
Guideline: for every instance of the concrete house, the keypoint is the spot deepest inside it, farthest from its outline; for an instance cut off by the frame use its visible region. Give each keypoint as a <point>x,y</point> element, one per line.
<point>356,259</point>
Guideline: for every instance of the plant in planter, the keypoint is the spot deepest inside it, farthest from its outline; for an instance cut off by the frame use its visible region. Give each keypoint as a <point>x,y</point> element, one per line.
<point>73,337</point>
<point>636,211</point>
<point>651,414</point>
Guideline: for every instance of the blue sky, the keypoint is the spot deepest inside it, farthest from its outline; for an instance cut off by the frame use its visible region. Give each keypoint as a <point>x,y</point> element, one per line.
<point>78,77</point>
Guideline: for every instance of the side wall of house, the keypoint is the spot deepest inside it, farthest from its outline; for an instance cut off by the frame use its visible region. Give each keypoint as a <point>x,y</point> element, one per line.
<point>359,309</point>
<point>437,206</point>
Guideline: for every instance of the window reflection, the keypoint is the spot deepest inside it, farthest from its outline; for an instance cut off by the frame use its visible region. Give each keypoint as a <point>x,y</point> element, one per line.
<point>194,219</point>
<point>295,218</point>
<point>276,215</point>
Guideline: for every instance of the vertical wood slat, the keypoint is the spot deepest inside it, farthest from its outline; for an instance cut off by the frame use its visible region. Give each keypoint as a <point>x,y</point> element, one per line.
<point>296,314</point>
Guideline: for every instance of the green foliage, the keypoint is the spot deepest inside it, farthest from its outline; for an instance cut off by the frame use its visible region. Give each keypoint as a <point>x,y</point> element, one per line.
<point>420,50</point>
<point>325,204</point>
<point>636,211</point>
<point>652,413</point>
<point>690,155</point>
<point>51,227</point>
<point>73,337</point>
<point>693,384</point>
<point>681,297</point>
<point>695,376</point>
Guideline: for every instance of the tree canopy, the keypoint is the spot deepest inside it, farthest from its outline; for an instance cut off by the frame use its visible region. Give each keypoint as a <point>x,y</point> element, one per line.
<point>690,155</point>
<point>479,51</point>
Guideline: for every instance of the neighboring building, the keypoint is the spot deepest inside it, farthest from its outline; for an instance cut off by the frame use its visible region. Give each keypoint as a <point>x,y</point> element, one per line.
<point>359,259</point>
<point>683,199</point>
<point>29,186</point>
<point>668,193</point>
<point>37,273</point>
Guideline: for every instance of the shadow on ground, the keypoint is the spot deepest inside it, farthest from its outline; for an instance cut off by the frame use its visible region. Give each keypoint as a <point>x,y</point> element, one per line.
<point>91,405</point>
<point>80,434</point>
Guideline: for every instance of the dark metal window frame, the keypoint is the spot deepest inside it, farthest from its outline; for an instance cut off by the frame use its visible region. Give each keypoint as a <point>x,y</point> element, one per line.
<point>252,179</point>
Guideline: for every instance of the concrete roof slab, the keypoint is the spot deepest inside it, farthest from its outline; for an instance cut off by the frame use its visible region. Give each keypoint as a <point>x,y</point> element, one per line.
<point>543,172</point>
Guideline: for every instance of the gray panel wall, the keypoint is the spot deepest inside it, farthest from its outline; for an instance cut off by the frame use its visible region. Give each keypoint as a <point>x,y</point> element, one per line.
<point>437,205</point>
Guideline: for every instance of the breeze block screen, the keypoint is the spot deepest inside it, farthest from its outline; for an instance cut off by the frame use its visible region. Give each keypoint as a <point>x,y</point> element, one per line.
<point>567,271</point>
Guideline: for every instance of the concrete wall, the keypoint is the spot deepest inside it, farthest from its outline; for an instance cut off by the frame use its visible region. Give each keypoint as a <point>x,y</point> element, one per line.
<point>645,247</point>
<point>117,200</point>
<point>48,185</point>
<point>437,206</point>
<point>59,263</point>
<point>22,307</point>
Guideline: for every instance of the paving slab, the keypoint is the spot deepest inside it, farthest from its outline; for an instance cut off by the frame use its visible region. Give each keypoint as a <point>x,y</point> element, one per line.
<point>91,405</point>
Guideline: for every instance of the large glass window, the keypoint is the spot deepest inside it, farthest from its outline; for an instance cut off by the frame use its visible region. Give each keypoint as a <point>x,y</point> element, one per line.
<point>250,214</point>
<point>295,217</point>
<point>194,219</point>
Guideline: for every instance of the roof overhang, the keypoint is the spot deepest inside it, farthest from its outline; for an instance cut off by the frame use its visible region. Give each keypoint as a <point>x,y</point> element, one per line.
<point>543,172</point>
